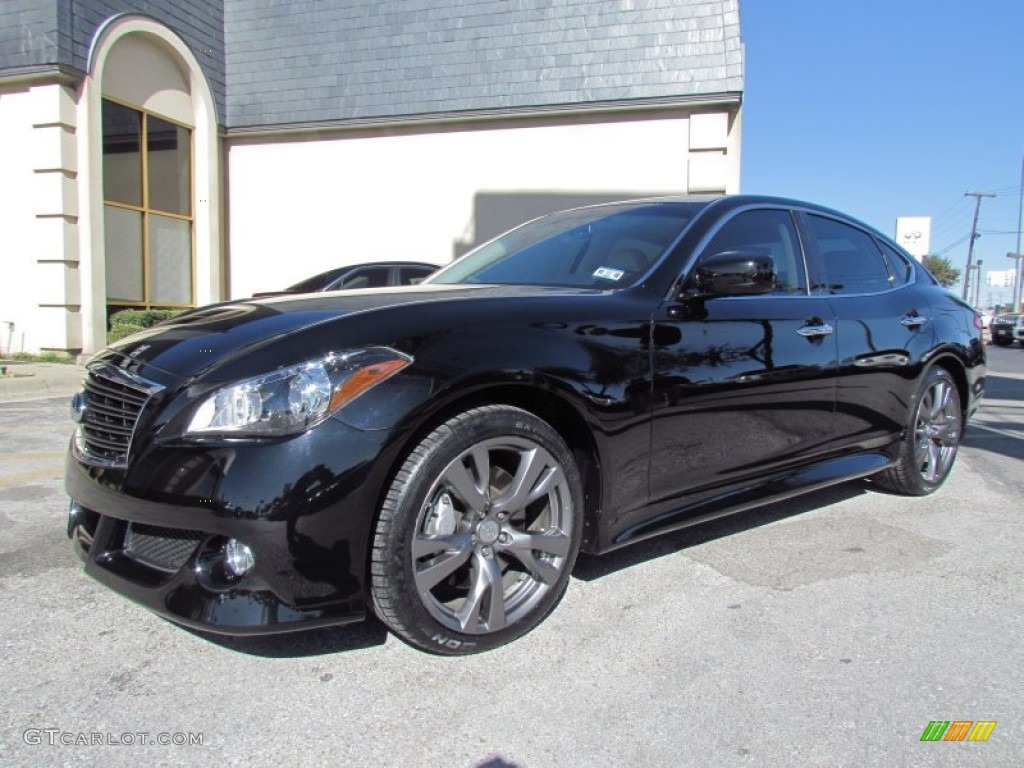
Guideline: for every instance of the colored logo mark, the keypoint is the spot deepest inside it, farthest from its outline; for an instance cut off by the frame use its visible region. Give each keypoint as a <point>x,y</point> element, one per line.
<point>958,730</point>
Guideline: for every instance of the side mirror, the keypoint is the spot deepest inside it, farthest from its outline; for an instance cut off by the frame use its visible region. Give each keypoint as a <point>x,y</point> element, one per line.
<point>748,271</point>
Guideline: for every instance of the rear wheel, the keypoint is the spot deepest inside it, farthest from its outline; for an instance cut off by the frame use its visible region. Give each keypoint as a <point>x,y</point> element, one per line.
<point>929,447</point>
<point>478,533</point>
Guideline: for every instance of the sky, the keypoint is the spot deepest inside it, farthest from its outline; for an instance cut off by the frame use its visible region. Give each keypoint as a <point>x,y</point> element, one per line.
<point>887,108</point>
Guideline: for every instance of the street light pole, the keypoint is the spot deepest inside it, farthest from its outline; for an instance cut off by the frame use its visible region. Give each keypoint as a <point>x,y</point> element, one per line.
<point>1016,277</point>
<point>977,281</point>
<point>974,236</point>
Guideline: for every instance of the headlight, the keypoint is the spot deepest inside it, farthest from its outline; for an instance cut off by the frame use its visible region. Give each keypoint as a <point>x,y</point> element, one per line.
<point>296,398</point>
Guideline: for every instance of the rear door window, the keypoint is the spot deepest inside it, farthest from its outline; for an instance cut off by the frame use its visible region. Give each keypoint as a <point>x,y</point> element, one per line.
<point>851,260</point>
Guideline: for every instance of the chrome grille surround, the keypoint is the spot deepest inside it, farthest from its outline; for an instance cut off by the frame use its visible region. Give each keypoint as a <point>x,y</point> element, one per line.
<point>114,401</point>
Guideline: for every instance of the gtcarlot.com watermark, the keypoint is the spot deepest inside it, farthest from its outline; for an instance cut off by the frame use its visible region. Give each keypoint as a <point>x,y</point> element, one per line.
<point>55,737</point>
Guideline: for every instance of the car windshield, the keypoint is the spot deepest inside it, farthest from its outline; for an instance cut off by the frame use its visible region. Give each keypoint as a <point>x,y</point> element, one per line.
<point>607,246</point>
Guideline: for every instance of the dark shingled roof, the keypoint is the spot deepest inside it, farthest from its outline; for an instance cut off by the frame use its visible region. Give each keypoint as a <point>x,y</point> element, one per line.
<point>287,62</point>
<point>36,33</point>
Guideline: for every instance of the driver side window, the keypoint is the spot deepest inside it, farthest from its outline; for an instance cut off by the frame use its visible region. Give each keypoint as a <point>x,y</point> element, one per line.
<point>770,231</point>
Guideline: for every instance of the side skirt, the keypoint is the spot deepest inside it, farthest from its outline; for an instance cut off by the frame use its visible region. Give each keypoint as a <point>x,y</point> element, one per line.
<point>774,489</point>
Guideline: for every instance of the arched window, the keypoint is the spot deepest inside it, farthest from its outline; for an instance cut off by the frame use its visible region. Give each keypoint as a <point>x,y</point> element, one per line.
<point>147,202</point>
<point>149,176</point>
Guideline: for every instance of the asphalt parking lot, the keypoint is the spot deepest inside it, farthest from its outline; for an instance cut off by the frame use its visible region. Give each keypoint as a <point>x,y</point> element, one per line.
<point>824,632</point>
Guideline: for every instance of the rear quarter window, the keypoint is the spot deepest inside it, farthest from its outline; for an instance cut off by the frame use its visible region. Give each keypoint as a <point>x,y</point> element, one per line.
<point>900,270</point>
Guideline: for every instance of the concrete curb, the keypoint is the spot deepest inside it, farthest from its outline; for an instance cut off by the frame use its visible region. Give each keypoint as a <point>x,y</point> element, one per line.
<point>37,381</point>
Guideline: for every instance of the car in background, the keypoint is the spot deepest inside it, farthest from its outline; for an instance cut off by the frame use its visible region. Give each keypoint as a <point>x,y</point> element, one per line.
<point>1006,329</point>
<point>439,454</point>
<point>380,274</point>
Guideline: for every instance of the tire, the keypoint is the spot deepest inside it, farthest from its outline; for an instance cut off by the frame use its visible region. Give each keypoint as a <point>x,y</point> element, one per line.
<point>929,447</point>
<point>459,566</point>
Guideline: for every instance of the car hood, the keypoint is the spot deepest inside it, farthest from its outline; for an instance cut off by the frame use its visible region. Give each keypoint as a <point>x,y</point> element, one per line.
<point>211,338</point>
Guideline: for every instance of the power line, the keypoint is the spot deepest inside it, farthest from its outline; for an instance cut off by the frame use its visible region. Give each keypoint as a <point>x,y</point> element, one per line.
<point>951,221</point>
<point>951,246</point>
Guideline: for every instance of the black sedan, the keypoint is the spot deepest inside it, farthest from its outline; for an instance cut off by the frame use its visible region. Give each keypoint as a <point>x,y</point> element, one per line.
<point>377,274</point>
<point>440,454</point>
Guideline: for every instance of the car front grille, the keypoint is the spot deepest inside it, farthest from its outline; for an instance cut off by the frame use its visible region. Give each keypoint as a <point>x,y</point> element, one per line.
<point>166,549</point>
<point>114,401</point>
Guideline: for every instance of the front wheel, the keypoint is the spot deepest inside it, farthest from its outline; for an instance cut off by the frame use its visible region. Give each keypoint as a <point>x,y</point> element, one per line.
<point>478,533</point>
<point>929,447</point>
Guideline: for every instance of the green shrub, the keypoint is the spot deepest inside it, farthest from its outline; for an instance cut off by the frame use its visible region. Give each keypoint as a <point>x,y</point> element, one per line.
<point>129,321</point>
<point>118,332</point>
<point>142,317</point>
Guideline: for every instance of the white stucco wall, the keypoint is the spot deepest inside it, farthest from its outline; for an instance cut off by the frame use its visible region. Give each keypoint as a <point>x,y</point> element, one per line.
<point>303,205</point>
<point>38,209</point>
<point>300,205</point>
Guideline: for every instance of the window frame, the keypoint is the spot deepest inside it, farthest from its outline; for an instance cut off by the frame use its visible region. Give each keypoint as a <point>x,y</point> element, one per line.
<point>115,305</point>
<point>337,284</point>
<point>905,259</point>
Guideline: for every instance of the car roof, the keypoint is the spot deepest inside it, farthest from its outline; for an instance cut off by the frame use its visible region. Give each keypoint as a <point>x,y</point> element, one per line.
<point>389,264</point>
<point>724,203</point>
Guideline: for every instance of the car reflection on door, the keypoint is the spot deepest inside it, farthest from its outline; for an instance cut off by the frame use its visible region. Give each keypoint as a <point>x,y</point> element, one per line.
<point>740,390</point>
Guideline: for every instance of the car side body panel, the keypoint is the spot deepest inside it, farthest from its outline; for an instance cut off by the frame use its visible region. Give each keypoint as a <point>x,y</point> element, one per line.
<point>738,390</point>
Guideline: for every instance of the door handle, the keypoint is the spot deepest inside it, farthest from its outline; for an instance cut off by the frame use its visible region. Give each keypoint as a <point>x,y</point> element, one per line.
<point>822,329</point>
<point>913,320</point>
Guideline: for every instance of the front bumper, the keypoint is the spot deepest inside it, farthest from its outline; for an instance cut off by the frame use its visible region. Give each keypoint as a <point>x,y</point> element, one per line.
<point>1007,333</point>
<point>156,531</point>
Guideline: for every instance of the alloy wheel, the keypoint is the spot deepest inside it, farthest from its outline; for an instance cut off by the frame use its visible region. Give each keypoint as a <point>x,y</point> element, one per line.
<point>937,430</point>
<point>493,536</point>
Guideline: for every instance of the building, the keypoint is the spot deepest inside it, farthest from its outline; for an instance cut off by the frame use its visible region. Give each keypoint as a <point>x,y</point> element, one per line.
<point>172,153</point>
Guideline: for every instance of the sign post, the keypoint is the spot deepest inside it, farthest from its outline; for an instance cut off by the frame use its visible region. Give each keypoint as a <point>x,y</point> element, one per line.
<point>1017,277</point>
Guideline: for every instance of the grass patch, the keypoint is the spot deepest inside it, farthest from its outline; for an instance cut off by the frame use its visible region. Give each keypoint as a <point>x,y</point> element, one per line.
<point>43,357</point>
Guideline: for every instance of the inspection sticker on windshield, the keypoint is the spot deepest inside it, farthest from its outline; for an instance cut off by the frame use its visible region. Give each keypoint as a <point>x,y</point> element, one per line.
<point>609,274</point>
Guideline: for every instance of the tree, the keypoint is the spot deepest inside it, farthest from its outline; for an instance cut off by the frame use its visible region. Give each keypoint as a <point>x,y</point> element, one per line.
<point>943,269</point>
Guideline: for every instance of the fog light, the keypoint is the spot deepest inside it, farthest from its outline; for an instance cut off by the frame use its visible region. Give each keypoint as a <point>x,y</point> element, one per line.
<point>238,558</point>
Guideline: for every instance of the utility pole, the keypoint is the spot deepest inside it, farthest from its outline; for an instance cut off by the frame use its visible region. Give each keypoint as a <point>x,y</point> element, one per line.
<point>974,236</point>
<point>1018,277</point>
